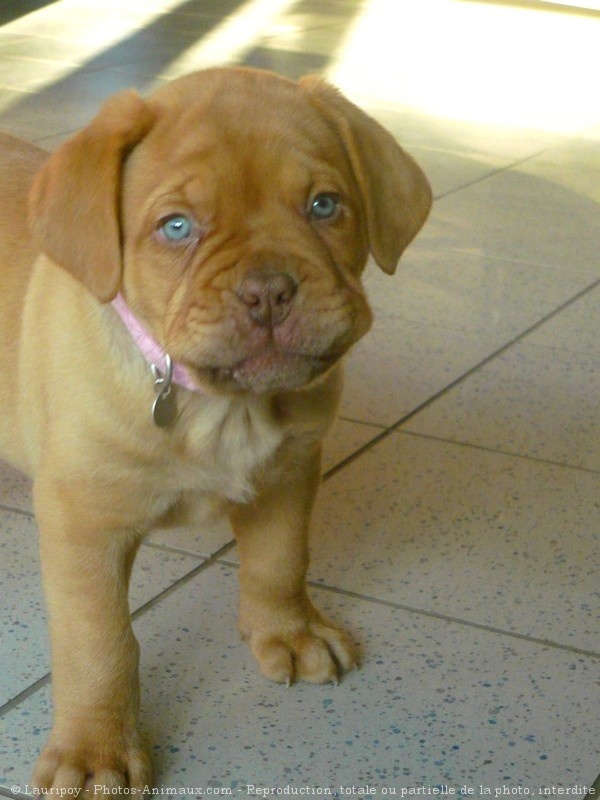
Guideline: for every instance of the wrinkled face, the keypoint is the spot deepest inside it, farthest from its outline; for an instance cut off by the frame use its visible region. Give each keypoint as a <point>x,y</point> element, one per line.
<point>244,240</point>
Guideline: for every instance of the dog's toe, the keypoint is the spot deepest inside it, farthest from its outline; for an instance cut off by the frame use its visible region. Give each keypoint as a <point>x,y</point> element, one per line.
<point>92,770</point>
<point>319,653</point>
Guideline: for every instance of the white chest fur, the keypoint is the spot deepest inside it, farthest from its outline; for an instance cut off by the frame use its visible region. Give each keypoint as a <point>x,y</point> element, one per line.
<point>226,442</point>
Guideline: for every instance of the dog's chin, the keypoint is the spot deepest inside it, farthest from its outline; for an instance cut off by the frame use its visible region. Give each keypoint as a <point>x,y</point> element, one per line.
<point>270,372</point>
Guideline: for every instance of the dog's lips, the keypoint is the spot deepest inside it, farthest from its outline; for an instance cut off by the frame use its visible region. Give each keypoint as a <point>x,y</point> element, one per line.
<point>274,362</point>
<point>270,369</point>
<point>273,359</point>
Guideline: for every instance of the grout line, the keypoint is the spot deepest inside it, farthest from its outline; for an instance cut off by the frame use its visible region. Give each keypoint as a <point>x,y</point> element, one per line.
<point>357,453</point>
<point>25,694</point>
<point>459,621</point>
<point>494,172</point>
<point>20,511</point>
<point>468,184</point>
<point>444,617</point>
<point>495,451</point>
<point>185,579</point>
<point>375,425</point>
<point>453,384</point>
<point>45,679</point>
<point>485,361</point>
<point>517,163</point>
<point>39,140</point>
<point>217,558</point>
<point>179,551</point>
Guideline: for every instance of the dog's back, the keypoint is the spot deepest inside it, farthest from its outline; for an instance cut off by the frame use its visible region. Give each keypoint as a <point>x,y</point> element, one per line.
<point>19,162</point>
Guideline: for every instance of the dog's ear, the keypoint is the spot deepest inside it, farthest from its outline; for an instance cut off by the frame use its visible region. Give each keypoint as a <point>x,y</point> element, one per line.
<point>74,205</point>
<point>396,194</point>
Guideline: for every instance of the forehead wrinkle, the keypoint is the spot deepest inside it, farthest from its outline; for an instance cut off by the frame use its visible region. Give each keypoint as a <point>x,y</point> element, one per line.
<point>287,170</point>
<point>234,166</point>
<point>221,128</point>
<point>199,190</point>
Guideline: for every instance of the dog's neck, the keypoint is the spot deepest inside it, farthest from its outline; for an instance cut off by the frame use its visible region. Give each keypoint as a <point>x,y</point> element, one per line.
<point>156,356</point>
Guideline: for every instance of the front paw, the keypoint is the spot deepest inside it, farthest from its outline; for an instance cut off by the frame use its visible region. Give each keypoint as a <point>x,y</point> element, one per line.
<point>298,645</point>
<point>115,762</point>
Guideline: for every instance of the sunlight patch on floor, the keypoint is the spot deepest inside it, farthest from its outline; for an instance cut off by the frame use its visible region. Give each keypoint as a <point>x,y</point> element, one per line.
<point>486,62</point>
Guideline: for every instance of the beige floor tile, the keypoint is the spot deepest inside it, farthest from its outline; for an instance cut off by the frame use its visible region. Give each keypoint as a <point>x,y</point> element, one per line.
<point>429,706</point>
<point>400,365</point>
<point>573,329</point>
<point>495,540</point>
<point>23,623</point>
<point>523,218</point>
<point>531,400</point>
<point>67,105</point>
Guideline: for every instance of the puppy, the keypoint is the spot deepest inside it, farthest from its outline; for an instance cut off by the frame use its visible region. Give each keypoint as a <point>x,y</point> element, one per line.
<point>172,324</point>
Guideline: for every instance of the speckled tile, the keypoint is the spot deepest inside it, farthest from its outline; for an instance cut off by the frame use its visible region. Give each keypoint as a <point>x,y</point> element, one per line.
<point>298,33</point>
<point>41,49</point>
<point>68,104</point>
<point>109,20</point>
<point>497,540</point>
<point>572,330</point>
<point>23,631</point>
<point>469,292</point>
<point>23,617</point>
<point>51,143</point>
<point>27,75</point>
<point>153,48</point>
<point>9,98</point>
<point>449,171</point>
<point>292,64</point>
<point>203,538</point>
<point>15,489</point>
<point>344,439</point>
<point>440,315</point>
<point>532,400</point>
<point>573,165</point>
<point>496,217</point>
<point>477,142</point>
<point>429,706</point>
<point>202,8</point>
<point>400,364</point>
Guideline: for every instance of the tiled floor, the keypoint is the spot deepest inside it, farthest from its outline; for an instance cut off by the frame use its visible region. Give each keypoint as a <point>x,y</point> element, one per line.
<point>458,530</point>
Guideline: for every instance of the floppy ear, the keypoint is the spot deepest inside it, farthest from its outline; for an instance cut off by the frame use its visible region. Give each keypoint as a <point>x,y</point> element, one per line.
<point>396,194</point>
<point>74,204</point>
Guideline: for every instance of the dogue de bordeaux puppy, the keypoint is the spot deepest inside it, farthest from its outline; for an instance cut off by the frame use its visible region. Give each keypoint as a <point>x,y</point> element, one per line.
<point>179,283</point>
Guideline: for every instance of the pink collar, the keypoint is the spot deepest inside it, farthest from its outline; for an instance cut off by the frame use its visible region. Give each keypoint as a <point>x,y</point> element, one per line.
<point>154,354</point>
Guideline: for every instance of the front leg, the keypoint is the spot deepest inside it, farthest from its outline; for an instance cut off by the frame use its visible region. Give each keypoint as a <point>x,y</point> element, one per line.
<point>86,564</point>
<point>287,635</point>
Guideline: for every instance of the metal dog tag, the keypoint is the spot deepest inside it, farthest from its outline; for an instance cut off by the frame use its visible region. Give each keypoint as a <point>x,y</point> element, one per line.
<point>164,408</point>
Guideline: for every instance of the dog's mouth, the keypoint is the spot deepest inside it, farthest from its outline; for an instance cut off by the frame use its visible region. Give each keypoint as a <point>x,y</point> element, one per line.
<point>269,370</point>
<point>236,354</point>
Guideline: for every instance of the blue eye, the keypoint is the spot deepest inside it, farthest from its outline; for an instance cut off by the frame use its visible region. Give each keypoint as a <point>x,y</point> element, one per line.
<point>324,205</point>
<point>177,228</point>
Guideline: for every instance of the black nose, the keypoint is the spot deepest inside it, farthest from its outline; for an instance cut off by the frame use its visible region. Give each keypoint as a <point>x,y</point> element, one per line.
<point>268,296</point>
